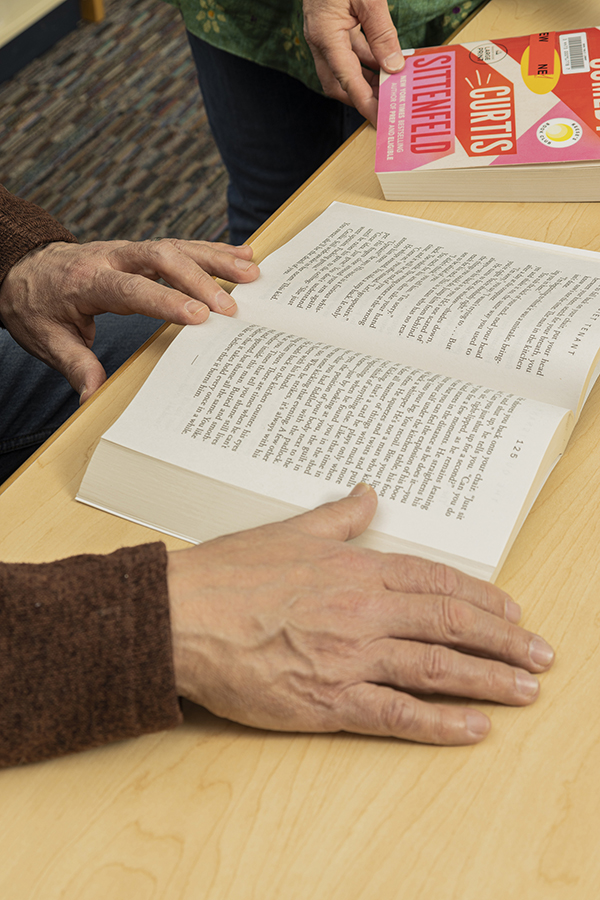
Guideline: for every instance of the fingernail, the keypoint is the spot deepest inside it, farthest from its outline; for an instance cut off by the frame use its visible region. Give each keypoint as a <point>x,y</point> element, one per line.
<point>395,62</point>
<point>512,611</point>
<point>82,391</point>
<point>527,685</point>
<point>225,301</point>
<point>540,652</point>
<point>359,489</point>
<point>193,306</point>
<point>243,264</point>
<point>477,724</point>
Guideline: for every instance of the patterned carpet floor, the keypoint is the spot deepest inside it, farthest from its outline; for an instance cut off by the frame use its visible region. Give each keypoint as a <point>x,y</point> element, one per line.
<point>108,132</point>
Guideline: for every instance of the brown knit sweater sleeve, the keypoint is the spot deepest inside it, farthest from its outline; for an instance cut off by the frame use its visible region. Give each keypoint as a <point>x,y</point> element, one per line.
<point>85,653</point>
<point>24,226</point>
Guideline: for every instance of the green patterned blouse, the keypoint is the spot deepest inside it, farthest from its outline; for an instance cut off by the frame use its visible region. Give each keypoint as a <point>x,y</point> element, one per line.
<point>269,32</point>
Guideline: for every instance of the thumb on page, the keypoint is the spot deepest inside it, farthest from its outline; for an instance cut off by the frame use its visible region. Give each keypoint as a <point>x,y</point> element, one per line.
<point>343,519</point>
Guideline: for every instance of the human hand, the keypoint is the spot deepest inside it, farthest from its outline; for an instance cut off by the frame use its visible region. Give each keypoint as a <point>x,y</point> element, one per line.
<point>286,627</point>
<point>49,298</point>
<point>350,41</point>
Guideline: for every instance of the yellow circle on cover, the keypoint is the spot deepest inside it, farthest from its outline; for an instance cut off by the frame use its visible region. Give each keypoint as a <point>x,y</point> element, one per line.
<point>559,131</point>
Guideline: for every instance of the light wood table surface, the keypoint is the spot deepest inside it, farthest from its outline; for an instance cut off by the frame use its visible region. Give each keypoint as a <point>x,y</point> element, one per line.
<point>215,810</point>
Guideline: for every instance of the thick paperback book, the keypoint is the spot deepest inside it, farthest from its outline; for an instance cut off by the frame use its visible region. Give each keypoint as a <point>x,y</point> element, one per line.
<point>510,119</point>
<point>445,367</point>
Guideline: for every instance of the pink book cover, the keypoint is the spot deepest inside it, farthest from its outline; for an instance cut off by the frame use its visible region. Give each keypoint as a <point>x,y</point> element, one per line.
<point>532,99</point>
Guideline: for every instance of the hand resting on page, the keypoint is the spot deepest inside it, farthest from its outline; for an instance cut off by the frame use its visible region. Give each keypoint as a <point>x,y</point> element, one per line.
<point>287,627</point>
<point>49,298</point>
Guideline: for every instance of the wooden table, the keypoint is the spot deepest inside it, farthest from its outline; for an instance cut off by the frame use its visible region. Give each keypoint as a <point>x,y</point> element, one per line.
<point>215,810</point>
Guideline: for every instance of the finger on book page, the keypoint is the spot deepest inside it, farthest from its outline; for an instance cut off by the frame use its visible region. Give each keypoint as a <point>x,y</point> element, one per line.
<point>342,519</point>
<point>221,260</point>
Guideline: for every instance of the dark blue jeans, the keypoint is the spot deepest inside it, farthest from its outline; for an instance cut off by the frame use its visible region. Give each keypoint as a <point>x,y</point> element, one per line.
<point>35,400</point>
<point>271,130</point>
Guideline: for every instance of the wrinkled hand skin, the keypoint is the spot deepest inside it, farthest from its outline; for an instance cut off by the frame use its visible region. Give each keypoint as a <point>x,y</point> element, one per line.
<point>350,40</point>
<point>287,627</point>
<point>48,299</point>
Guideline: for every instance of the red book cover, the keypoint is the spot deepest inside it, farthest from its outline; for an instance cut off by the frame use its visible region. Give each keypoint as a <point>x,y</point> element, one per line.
<point>521,100</point>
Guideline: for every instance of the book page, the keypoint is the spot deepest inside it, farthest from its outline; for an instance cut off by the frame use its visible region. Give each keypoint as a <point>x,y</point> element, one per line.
<point>303,422</point>
<point>517,315</point>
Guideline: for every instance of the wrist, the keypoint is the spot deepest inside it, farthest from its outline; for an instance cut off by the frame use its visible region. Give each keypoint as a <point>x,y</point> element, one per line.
<point>179,633</point>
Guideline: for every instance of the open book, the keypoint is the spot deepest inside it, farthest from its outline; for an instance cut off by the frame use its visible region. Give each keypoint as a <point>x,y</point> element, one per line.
<point>445,367</point>
<point>510,119</point>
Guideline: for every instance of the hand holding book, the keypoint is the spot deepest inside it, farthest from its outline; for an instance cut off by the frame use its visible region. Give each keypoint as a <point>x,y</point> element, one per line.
<point>349,43</point>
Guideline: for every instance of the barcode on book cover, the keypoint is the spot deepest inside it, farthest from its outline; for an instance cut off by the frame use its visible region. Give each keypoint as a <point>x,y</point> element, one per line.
<point>574,53</point>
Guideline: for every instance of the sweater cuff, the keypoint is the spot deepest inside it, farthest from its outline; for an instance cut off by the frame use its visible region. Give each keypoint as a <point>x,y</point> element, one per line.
<point>85,653</point>
<point>23,227</point>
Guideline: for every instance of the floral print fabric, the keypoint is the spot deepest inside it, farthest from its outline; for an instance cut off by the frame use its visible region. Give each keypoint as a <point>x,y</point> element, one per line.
<point>270,32</point>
